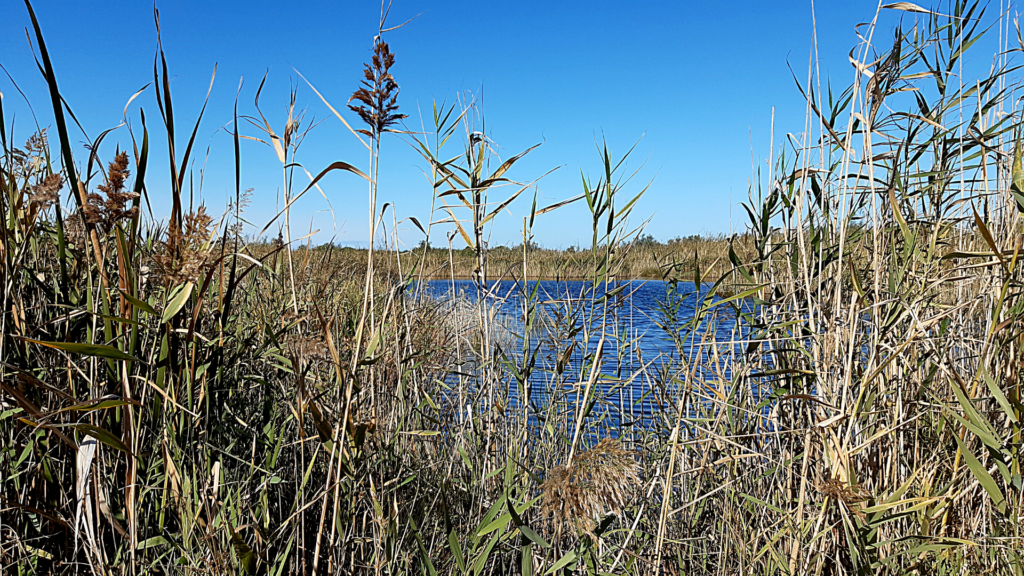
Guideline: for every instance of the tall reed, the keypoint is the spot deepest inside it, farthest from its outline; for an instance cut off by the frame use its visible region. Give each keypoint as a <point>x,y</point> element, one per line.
<point>843,397</point>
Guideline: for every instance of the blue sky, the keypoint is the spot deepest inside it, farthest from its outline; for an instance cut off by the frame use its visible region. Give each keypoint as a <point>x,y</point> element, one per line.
<point>697,80</point>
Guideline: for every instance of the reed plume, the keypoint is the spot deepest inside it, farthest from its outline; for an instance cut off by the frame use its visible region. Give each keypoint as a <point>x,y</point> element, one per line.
<point>378,110</point>
<point>27,161</point>
<point>185,255</point>
<point>29,164</point>
<point>44,194</point>
<point>379,93</point>
<point>838,490</point>
<point>117,204</point>
<point>114,205</point>
<point>595,485</point>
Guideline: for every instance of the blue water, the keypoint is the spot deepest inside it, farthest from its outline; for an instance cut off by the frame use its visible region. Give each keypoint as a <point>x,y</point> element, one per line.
<point>653,344</point>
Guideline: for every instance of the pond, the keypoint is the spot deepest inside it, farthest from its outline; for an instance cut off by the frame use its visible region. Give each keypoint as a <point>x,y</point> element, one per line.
<point>652,344</point>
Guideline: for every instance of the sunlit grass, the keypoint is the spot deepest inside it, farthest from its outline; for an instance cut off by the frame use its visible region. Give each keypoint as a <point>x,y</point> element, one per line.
<point>177,398</point>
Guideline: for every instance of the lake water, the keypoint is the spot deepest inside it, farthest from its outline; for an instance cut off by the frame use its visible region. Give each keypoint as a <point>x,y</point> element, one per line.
<point>652,342</point>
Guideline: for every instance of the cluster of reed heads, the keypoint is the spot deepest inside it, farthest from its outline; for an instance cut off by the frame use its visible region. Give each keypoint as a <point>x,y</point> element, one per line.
<point>177,397</point>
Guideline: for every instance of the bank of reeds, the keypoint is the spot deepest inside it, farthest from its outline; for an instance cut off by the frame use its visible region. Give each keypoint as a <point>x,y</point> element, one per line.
<point>178,400</point>
<point>649,260</point>
<point>639,260</point>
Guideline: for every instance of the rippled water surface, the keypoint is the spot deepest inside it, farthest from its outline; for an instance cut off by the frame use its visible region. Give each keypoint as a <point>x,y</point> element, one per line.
<point>651,338</point>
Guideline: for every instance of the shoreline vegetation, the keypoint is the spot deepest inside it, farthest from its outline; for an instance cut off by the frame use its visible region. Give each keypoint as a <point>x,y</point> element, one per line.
<point>177,399</point>
<point>643,258</point>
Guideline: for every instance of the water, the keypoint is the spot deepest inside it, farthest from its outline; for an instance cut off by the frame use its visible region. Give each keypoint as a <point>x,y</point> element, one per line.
<point>652,343</point>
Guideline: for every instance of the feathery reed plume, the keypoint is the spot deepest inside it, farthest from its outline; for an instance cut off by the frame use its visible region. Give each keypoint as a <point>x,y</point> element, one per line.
<point>379,93</point>
<point>106,212</point>
<point>44,194</point>
<point>92,208</point>
<point>29,165</point>
<point>596,484</point>
<point>29,160</point>
<point>237,208</point>
<point>185,255</point>
<point>74,230</point>
<point>37,143</point>
<point>840,491</point>
<point>118,200</point>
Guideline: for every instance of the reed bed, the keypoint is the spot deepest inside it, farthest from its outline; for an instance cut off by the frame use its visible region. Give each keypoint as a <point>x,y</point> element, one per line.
<point>177,398</point>
<point>641,258</point>
<point>650,260</point>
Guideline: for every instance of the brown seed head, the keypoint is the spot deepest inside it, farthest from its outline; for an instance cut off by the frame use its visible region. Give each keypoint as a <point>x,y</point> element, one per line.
<point>841,492</point>
<point>185,256</point>
<point>598,483</point>
<point>44,194</point>
<point>74,230</point>
<point>117,205</point>
<point>104,212</point>
<point>379,93</point>
<point>29,161</point>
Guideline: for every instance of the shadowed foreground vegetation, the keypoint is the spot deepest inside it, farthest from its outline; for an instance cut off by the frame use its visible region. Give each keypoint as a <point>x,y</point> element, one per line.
<point>175,400</point>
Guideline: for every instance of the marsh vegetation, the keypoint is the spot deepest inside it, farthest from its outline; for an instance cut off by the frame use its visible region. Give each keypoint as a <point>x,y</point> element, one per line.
<point>176,397</point>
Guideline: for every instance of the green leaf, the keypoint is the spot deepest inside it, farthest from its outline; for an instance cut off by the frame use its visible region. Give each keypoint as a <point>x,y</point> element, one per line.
<point>26,451</point>
<point>87,429</point>
<point>740,296</point>
<point>372,346</point>
<point>527,560</point>
<point>988,439</point>
<point>151,542</point>
<point>501,522</point>
<point>99,350</point>
<point>177,302</point>
<point>245,554</point>
<point>987,235</point>
<point>102,435</point>
<point>562,562</point>
<point>761,503</point>
<point>1018,168</point>
<point>465,458</point>
<point>8,413</point>
<point>456,548</point>
<point>490,515</point>
<point>431,571</point>
<point>999,396</point>
<point>516,511</point>
<point>984,478</point>
<point>981,426</point>
<point>937,545</point>
<point>139,304</point>
<point>533,536</point>
<point>97,404</point>
<point>504,519</point>
<point>481,560</point>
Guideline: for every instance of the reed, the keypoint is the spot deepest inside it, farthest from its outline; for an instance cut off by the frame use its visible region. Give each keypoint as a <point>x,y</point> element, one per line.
<point>651,260</point>
<point>178,398</point>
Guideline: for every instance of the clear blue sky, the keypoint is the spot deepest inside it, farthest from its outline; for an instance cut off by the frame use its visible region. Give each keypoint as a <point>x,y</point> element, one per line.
<point>698,79</point>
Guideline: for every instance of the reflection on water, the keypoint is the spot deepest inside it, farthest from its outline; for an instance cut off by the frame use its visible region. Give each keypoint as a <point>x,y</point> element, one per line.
<point>652,344</point>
